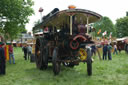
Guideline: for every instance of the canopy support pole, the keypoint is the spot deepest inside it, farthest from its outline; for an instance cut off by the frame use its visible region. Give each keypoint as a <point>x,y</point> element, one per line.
<point>70,25</point>
<point>87,24</point>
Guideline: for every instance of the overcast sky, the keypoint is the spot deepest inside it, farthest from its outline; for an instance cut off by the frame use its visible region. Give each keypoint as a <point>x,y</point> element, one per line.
<point>113,9</point>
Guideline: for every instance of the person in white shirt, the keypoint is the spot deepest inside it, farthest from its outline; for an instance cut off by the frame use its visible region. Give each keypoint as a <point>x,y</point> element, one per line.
<point>115,49</point>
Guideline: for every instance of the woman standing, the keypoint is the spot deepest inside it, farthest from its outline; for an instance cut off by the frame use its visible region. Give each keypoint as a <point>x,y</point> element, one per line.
<point>115,49</point>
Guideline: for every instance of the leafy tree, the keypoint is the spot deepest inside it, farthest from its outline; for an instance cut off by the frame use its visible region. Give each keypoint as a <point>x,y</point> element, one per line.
<point>13,16</point>
<point>126,13</point>
<point>105,24</point>
<point>122,27</point>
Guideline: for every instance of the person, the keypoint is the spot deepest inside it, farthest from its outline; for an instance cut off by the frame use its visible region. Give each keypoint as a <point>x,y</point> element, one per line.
<point>105,49</point>
<point>2,60</point>
<point>93,50</point>
<point>119,48</point>
<point>126,48</point>
<point>29,51</point>
<point>109,52</point>
<point>11,55</point>
<point>25,52</point>
<point>115,49</point>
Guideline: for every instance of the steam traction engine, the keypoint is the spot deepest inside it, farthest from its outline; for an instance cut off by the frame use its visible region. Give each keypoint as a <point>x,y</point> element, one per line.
<point>65,39</point>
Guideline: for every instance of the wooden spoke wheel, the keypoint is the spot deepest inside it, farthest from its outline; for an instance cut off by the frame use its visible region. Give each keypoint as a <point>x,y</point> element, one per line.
<point>89,62</point>
<point>38,57</point>
<point>55,62</point>
<point>41,54</point>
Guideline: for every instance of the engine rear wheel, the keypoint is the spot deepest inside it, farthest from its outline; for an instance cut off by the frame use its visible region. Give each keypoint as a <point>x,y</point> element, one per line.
<point>55,62</point>
<point>89,62</point>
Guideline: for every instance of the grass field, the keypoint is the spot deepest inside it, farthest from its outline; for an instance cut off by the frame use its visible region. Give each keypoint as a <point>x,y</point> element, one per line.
<point>113,72</point>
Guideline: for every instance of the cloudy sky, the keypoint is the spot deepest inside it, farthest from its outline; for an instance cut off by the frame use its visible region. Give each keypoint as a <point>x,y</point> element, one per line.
<point>113,9</point>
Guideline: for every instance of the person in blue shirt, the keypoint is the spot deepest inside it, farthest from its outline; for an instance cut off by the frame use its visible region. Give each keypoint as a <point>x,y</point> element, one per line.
<point>105,49</point>
<point>93,50</point>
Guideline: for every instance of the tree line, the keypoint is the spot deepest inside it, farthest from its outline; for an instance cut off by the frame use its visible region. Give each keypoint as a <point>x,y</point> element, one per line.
<point>119,29</point>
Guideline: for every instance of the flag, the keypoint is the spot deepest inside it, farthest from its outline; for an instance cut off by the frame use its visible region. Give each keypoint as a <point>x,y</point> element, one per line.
<point>110,36</point>
<point>105,32</point>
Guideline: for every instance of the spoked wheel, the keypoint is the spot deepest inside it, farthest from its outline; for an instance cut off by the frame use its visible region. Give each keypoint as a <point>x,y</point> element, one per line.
<point>38,54</point>
<point>89,62</point>
<point>41,54</point>
<point>55,62</point>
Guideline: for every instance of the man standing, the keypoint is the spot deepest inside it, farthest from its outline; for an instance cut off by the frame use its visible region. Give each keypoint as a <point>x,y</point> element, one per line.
<point>2,60</point>
<point>25,52</point>
<point>126,48</point>
<point>29,51</point>
<point>105,49</point>
<point>93,50</point>
<point>109,52</point>
<point>11,55</point>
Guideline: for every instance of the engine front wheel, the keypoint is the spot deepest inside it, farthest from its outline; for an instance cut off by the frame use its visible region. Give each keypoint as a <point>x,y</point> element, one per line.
<point>89,62</point>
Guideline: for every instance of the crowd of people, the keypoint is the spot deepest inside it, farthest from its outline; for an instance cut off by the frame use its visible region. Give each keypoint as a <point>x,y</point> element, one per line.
<point>27,53</point>
<point>107,50</point>
<point>3,58</point>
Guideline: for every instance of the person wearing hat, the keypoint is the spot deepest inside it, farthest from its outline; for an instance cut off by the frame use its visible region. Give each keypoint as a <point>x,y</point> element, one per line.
<point>2,60</point>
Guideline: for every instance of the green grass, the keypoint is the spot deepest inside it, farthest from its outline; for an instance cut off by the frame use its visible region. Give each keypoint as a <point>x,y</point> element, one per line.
<point>113,72</point>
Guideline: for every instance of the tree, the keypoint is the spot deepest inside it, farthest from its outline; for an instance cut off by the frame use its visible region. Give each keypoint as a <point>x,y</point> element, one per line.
<point>126,13</point>
<point>122,27</point>
<point>13,16</point>
<point>105,24</point>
